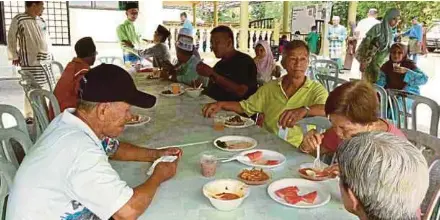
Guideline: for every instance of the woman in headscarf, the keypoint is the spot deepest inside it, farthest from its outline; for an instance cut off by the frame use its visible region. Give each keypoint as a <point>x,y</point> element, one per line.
<point>374,49</point>
<point>266,66</point>
<point>401,73</point>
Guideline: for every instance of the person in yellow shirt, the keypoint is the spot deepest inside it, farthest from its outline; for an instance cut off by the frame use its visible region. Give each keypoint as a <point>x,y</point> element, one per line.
<point>285,101</point>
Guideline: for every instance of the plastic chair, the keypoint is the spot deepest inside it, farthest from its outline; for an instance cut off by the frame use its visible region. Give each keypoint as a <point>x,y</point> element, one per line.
<point>431,200</point>
<point>428,144</point>
<point>41,108</point>
<point>12,153</point>
<point>50,77</point>
<point>325,67</point>
<point>56,67</point>
<point>111,60</point>
<point>7,174</point>
<point>329,82</point>
<point>321,125</point>
<point>383,101</point>
<point>16,114</point>
<point>401,114</point>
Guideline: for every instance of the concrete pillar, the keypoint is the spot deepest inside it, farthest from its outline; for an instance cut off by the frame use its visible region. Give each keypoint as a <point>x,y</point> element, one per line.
<point>324,42</point>
<point>286,10</point>
<point>150,15</point>
<point>352,8</point>
<point>244,25</point>
<point>194,5</point>
<point>276,33</point>
<point>215,13</point>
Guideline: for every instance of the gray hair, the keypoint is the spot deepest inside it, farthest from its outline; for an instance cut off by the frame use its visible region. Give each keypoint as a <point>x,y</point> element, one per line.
<point>387,174</point>
<point>86,106</point>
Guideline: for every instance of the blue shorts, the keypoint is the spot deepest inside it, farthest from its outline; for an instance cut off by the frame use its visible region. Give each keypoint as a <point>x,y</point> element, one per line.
<point>130,58</point>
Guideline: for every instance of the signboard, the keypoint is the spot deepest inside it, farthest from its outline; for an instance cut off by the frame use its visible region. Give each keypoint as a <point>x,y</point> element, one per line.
<point>304,17</point>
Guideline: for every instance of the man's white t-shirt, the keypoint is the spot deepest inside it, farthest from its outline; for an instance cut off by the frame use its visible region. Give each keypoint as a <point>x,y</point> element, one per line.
<point>66,175</point>
<point>364,26</point>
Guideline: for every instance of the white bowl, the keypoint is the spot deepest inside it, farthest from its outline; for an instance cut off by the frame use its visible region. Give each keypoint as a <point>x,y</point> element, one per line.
<point>194,93</point>
<point>226,186</point>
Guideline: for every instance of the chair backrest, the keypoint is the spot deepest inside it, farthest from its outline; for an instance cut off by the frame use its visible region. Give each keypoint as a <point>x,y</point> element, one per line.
<point>40,106</point>
<point>321,125</point>
<point>325,67</point>
<point>50,77</point>
<point>428,144</point>
<point>401,101</point>
<point>111,60</point>
<point>56,67</point>
<point>16,114</point>
<point>431,200</point>
<point>329,82</point>
<point>383,101</point>
<point>15,144</point>
<point>7,174</point>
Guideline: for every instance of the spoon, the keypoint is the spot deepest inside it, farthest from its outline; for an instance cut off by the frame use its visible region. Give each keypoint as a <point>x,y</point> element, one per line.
<point>317,161</point>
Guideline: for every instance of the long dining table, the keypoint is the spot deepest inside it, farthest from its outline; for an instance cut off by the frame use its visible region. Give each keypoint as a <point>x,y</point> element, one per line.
<point>178,120</point>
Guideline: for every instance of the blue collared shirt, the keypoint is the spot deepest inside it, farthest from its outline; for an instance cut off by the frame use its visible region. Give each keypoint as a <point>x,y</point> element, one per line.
<point>415,32</point>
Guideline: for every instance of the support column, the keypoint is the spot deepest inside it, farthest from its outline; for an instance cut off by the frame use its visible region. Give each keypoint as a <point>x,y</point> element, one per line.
<point>324,41</point>
<point>194,5</point>
<point>244,26</point>
<point>215,13</point>
<point>285,16</point>
<point>352,8</point>
<point>149,17</point>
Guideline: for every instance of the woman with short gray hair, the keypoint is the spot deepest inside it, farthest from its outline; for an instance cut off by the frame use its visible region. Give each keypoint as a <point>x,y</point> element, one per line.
<point>383,177</point>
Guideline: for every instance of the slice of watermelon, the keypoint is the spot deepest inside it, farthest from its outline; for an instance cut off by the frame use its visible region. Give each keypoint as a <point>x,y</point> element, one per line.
<point>254,156</point>
<point>310,197</point>
<point>288,191</point>
<point>272,162</point>
<point>292,199</point>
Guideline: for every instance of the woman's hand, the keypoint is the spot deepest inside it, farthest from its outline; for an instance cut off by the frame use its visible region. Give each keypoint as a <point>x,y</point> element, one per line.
<point>211,109</point>
<point>400,69</point>
<point>310,141</point>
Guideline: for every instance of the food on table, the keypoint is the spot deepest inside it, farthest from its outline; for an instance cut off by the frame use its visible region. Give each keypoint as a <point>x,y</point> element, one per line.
<point>291,195</point>
<point>272,162</point>
<point>235,121</point>
<point>167,92</point>
<point>234,144</point>
<point>208,164</point>
<point>255,156</point>
<point>328,172</point>
<point>253,175</point>
<point>226,196</point>
<point>175,88</point>
<point>134,119</point>
<point>152,77</point>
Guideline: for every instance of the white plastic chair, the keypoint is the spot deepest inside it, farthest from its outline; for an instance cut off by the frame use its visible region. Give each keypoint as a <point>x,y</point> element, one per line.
<point>111,60</point>
<point>383,101</point>
<point>325,67</point>
<point>428,144</point>
<point>40,106</point>
<point>7,174</point>
<point>16,114</point>
<point>329,82</point>
<point>10,150</point>
<point>432,198</point>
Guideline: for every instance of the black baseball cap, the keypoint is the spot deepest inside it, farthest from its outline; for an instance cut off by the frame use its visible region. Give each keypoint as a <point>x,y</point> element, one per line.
<point>111,83</point>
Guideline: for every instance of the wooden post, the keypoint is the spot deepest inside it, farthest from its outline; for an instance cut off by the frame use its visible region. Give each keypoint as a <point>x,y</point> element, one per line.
<point>286,16</point>
<point>215,13</point>
<point>244,26</point>
<point>352,7</point>
<point>194,13</point>
<point>276,32</point>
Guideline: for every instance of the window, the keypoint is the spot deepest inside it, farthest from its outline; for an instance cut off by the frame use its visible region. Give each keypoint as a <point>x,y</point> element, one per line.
<point>106,5</point>
<point>56,15</point>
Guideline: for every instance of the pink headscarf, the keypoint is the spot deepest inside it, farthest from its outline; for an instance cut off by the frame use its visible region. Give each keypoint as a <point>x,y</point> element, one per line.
<point>265,65</point>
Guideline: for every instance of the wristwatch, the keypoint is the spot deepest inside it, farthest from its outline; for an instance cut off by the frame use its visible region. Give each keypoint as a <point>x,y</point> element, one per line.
<point>307,110</point>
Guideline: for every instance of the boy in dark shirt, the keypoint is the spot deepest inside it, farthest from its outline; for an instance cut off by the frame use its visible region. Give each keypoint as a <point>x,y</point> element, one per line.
<point>234,77</point>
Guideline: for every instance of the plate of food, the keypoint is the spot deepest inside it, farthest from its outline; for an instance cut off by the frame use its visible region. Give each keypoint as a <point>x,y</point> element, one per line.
<point>137,120</point>
<point>261,158</point>
<point>235,143</point>
<point>254,176</point>
<point>226,194</point>
<point>308,171</point>
<point>173,90</point>
<point>238,121</point>
<point>299,193</point>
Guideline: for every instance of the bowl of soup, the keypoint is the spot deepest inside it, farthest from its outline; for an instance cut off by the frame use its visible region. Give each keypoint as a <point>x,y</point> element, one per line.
<point>193,92</point>
<point>226,194</point>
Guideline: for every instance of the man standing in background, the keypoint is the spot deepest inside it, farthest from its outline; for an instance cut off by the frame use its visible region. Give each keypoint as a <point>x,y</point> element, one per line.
<point>336,36</point>
<point>415,34</point>
<point>128,37</point>
<point>28,33</point>
<point>186,22</point>
<point>361,30</point>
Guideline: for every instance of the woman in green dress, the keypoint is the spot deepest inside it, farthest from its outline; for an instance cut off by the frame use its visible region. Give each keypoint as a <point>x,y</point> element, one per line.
<point>375,48</point>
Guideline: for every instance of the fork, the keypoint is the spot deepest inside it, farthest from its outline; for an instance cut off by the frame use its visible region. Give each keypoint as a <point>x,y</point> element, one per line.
<point>317,161</point>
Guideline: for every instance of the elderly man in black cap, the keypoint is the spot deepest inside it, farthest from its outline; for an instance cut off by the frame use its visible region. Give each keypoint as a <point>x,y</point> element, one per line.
<point>66,90</point>
<point>159,51</point>
<point>67,174</point>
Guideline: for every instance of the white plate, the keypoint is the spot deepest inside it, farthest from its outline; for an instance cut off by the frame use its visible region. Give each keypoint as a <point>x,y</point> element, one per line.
<point>267,155</point>
<point>172,95</point>
<point>304,186</point>
<point>143,120</point>
<point>247,123</point>
<point>235,139</point>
